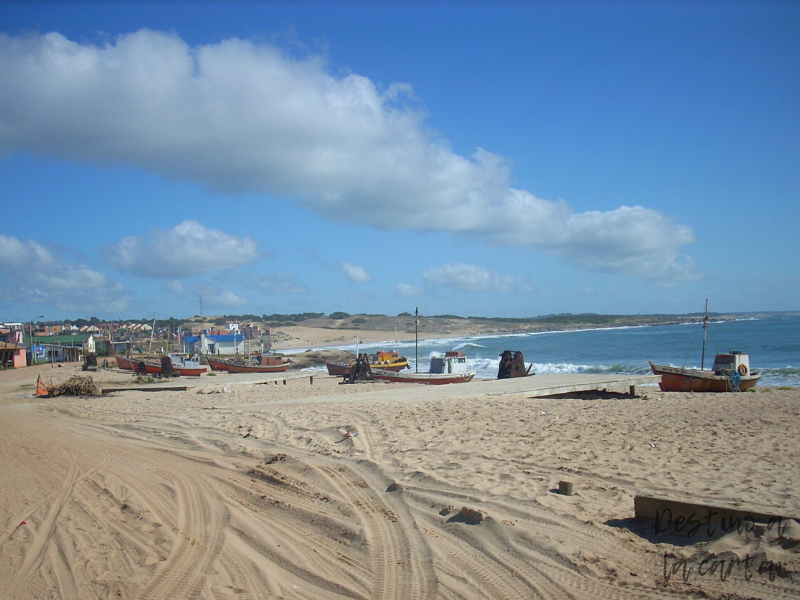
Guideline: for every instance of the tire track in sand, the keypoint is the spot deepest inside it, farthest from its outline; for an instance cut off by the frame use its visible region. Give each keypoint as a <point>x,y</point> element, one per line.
<point>397,571</point>
<point>201,526</point>
<point>35,554</point>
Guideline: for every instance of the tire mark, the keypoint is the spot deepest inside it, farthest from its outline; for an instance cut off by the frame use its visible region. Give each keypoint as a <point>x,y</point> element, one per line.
<point>34,555</point>
<point>397,572</point>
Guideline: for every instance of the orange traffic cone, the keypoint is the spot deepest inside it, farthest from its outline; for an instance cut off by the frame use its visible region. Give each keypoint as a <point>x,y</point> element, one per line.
<point>41,388</point>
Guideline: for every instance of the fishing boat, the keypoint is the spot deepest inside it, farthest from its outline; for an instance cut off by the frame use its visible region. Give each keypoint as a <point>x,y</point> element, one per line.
<point>265,364</point>
<point>426,378</point>
<point>187,366</point>
<point>217,364</point>
<point>386,360</point>
<point>450,368</point>
<point>730,372</point>
<point>125,363</point>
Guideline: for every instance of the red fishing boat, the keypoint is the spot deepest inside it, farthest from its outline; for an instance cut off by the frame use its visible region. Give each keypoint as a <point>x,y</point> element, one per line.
<point>125,363</point>
<point>730,373</point>
<point>265,364</point>
<point>217,364</point>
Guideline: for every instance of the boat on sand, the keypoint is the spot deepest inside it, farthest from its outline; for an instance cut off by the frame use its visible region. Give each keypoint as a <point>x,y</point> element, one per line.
<point>731,372</point>
<point>265,364</point>
<point>385,360</point>
<point>450,368</point>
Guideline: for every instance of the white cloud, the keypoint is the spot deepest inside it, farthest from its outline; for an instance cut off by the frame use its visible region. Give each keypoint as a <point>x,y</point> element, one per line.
<point>355,273</point>
<point>472,278</point>
<point>187,249</point>
<point>241,117</point>
<point>407,291</point>
<point>31,273</point>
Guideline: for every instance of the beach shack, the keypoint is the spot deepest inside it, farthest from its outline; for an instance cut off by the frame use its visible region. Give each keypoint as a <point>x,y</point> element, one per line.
<point>12,350</point>
<point>229,344</point>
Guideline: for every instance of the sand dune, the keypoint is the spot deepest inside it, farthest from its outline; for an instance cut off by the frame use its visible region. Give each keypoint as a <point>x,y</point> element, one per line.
<point>277,491</point>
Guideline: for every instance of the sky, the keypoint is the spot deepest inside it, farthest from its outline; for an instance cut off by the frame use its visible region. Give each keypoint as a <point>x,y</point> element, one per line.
<point>500,159</point>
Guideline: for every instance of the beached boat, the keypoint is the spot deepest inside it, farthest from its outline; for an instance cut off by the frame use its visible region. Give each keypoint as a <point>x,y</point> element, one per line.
<point>731,372</point>
<point>265,364</point>
<point>450,368</point>
<point>217,364</point>
<point>125,363</point>
<point>386,360</point>
<point>187,366</point>
<point>426,378</point>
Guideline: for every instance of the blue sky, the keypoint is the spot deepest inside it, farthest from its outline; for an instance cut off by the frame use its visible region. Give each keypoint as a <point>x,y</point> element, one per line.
<point>489,159</point>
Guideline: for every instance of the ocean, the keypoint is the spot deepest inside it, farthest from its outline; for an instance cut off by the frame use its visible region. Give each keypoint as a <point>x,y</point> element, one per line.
<point>773,343</point>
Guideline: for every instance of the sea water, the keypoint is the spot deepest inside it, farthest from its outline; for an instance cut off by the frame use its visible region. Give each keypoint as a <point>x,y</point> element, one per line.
<point>773,343</point>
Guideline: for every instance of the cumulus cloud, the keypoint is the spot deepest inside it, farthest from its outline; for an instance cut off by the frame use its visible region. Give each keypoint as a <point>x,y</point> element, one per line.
<point>472,278</point>
<point>31,273</point>
<point>243,117</point>
<point>187,249</point>
<point>355,273</point>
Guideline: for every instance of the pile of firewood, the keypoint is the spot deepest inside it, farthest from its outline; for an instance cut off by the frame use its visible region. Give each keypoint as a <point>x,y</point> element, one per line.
<point>75,386</point>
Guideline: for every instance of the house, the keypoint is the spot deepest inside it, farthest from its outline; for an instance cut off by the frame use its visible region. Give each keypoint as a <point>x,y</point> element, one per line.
<point>226,344</point>
<point>12,352</point>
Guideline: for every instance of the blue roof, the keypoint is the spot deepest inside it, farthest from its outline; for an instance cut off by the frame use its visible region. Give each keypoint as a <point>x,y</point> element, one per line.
<point>231,337</point>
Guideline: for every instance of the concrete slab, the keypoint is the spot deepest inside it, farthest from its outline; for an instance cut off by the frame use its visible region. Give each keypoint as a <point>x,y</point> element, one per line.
<point>536,386</point>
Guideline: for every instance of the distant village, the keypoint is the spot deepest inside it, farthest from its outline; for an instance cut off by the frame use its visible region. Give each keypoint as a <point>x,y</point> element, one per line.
<point>24,344</point>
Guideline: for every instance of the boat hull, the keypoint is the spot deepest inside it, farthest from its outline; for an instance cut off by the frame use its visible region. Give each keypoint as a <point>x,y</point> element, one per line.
<point>217,365</point>
<point>424,378</point>
<point>125,363</point>
<point>674,379</point>
<point>189,371</point>
<point>234,368</point>
<point>338,369</point>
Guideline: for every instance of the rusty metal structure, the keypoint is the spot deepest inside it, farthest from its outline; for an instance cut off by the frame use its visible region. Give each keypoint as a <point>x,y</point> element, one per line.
<point>359,370</point>
<point>512,364</point>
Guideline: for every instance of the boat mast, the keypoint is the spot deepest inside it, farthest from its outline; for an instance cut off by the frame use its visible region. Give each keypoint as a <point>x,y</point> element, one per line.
<point>150,348</point>
<point>416,339</point>
<point>705,328</point>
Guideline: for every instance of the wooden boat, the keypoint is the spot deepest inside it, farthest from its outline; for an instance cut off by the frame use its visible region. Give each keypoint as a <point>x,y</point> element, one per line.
<point>266,364</point>
<point>450,368</point>
<point>730,373</point>
<point>187,366</point>
<point>386,360</point>
<point>125,363</point>
<point>181,365</point>
<point>217,364</point>
<point>426,378</point>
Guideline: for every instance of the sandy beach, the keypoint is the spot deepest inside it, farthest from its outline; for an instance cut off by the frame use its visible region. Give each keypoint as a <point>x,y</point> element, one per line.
<point>300,337</point>
<point>321,491</point>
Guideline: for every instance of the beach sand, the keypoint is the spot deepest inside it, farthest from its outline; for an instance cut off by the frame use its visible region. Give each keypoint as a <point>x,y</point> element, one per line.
<point>321,491</point>
<point>300,337</point>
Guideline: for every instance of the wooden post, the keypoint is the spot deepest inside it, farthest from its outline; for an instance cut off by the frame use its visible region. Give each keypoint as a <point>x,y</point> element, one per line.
<point>565,488</point>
